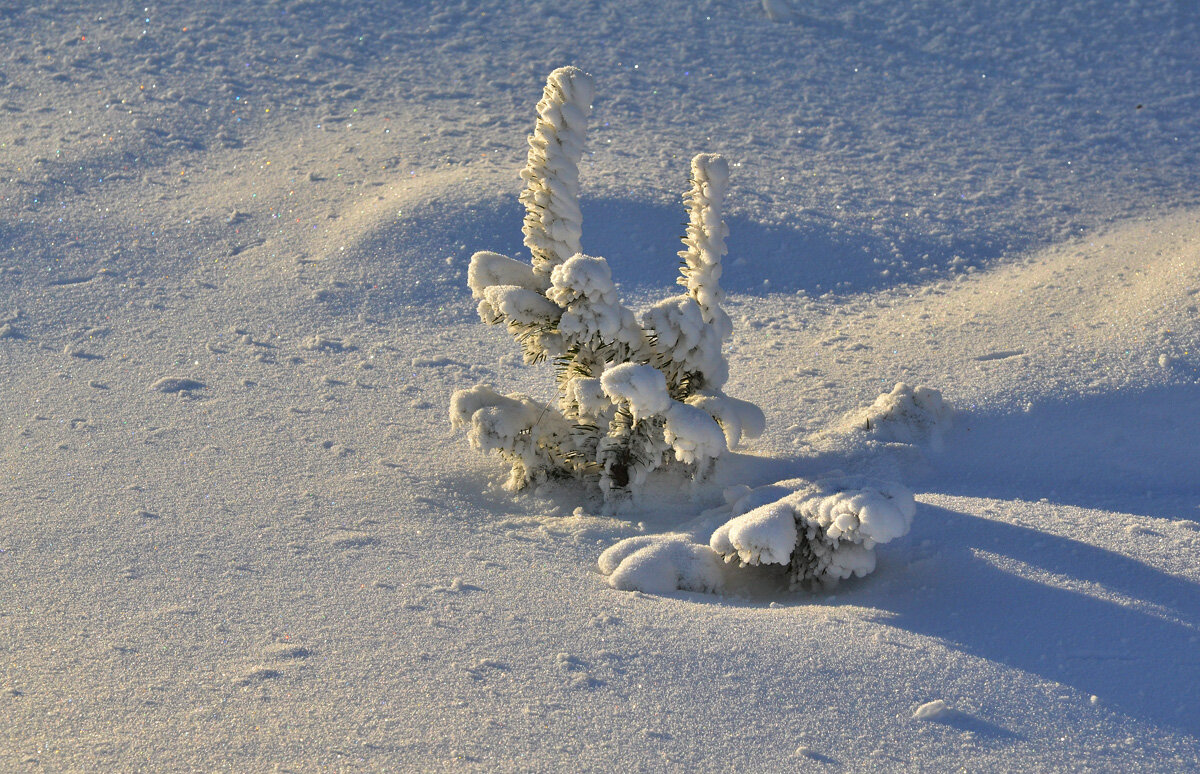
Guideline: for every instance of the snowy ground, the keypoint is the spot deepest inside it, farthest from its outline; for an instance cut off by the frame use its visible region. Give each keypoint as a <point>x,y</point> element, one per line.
<point>292,561</point>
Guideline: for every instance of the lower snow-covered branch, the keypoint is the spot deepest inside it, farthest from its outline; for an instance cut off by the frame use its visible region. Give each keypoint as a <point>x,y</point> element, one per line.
<point>642,425</point>
<point>535,439</point>
<point>824,530</point>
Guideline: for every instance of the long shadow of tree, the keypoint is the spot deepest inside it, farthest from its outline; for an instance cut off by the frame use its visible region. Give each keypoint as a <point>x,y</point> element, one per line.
<point>981,593</point>
<point>1104,451</point>
<point>1066,610</point>
<point>1069,611</point>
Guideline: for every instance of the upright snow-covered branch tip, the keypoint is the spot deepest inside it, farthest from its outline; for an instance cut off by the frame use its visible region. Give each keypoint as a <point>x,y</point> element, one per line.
<point>634,396</point>
<point>705,239</point>
<point>553,222</point>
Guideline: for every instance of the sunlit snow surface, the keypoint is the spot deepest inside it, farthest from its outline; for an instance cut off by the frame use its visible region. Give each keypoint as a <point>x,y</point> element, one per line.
<point>237,530</point>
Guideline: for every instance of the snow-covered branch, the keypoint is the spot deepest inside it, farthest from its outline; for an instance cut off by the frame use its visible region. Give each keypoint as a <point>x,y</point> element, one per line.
<point>553,222</point>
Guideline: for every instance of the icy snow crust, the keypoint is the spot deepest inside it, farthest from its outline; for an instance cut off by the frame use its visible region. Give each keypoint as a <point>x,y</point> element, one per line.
<point>237,532</point>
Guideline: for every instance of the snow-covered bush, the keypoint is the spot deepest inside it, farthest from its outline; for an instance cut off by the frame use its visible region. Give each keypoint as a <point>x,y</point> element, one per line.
<point>634,395</point>
<point>824,530</point>
<point>819,531</point>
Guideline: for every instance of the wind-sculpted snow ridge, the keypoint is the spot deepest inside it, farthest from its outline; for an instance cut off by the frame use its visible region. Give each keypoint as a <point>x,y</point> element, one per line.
<point>633,397</point>
<point>819,530</point>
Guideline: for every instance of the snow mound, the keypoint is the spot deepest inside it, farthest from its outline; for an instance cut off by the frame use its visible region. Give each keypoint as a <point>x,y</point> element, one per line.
<point>934,710</point>
<point>824,530</point>
<point>662,564</point>
<point>908,415</point>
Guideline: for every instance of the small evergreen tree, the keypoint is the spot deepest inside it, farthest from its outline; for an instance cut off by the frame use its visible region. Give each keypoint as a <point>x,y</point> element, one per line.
<point>633,396</point>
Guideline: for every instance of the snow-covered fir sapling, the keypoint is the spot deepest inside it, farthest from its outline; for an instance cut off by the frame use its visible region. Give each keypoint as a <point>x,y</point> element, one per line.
<point>634,395</point>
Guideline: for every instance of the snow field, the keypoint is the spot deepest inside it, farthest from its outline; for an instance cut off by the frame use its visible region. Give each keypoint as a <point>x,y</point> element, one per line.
<point>237,530</point>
